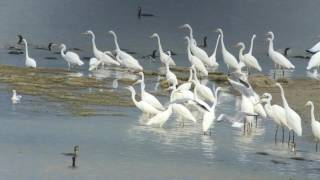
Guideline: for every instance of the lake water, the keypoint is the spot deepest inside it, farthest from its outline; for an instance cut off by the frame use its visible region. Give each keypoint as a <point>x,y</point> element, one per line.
<point>34,133</point>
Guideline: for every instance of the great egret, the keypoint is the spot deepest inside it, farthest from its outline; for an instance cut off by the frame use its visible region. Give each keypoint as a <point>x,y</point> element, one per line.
<point>203,91</point>
<point>170,76</point>
<point>187,85</point>
<point>213,57</point>
<point>182,112</point>
<point>314,61</point>
<point>196,51</point>
<point>126,59</point>
<point>160,118</point>
<point>278,59</point>
<point>228,58</point>
<point>195,61</point>
<point>104,58</point>
<point>145,107</point>
<point>15,97</point>
<point>164,58</point>
<point>147,97</point>
<point>30,62</point>
<point>315,125</point>
<point>293,118</point>
<point>71,57</point>
<point>178,94</point>
<point>249,60</point>
<point>276,113</point>
<point>94,64</point>
<point>209,116</point>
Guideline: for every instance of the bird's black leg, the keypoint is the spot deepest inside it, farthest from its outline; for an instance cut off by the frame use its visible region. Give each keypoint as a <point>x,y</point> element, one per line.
<point>289,138</point>
<point>275,136</point>
<point>317,146</point>
<point>282,134</point>
<point>293,137</point>
<point>256,117</point>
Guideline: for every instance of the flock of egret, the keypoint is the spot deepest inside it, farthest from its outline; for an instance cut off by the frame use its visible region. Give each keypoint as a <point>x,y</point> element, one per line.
<point>191,96</point>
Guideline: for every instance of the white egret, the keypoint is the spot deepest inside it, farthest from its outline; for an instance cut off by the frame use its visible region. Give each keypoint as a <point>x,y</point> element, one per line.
<point>142,105</point>
<point>314,61</point>
<point>195,61</point>
<point>209,116</point>
<point>94,64</point>
<point>15,97</point>
<point>213,57</point>
<point>126,59</point>
<point>147,97</point>
<point>183,113</point>
<point>30,62</point>
<point>293,118</point>
<point>170,76</point>
<point>187,85</point>
<point>104,58</point>
<point>71,57</point>
<point>196,51</point>
<point>228,58</point>
<point>315,125</point>
<point>178,94</point>
<point>160,118</point>
<point>203,91</point>
<point>276,113</point>
<point>164,58</point>
<point>315,48</point>
<point>249,60</point>
<point>278,59</point>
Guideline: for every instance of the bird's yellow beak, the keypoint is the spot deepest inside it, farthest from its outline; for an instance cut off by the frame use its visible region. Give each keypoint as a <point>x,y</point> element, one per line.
<point>84,33</point>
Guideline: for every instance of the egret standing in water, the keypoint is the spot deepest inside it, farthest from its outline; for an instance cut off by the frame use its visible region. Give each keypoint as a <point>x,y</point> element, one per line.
<point>71,57</point>
<point>170,76</point>
<point>15,97</point>
<point>210,116</point>
<point>276,113</point>
<point>30,62</point>
<point>142,105</point>
<point>315,125</point>
<point>228,58</point>
<point>160,118</point>
<point>293,118</point>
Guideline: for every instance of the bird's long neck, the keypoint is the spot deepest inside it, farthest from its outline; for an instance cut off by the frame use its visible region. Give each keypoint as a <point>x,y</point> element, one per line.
<point>284,101</point>
<point>251,45</point>
<point>26,46</point>
<point>116,42</point>
<point>216,47</point>
<point>94,47</point>
<point>196,76</point>
<point>190,76</point>
<point>241,53</point>
<point>159,44</point>
<point>270,49</point>
<point>222,42</point>
<point>189,51</point>
<point>312,114</point>
<point>216,100</point>
<point>62,51</point>
<point>133,96</point>
<point>191,33</point>
<point>143,85</point>
<point>172,93</point>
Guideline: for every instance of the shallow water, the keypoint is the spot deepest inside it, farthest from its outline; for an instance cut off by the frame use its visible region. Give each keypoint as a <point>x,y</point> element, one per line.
<point>34,133</point>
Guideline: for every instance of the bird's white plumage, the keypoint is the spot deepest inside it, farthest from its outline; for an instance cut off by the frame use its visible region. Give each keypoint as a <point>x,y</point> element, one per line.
<point>213,57</point>
<point>30,62</point>
<point>314,61</point>
<point>164,58</point>
<point>315,48</point>
<point>315,125</point>
<point>183,112</point>
<point>71,57</point>
<point>160,118</point>
<point>195,61</point>
<point>15,97</point>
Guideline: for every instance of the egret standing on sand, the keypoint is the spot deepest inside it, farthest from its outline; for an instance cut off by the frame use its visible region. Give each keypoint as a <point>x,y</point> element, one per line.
<point>104,58</point>
<point>30,62</point>
<point>71,57</point>
<point>126,59</point>
<point>195,61</point>
<point>228,58</point>
<point>164,58</point>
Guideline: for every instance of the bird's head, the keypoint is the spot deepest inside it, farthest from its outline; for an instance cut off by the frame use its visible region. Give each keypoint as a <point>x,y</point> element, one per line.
<point>137,82</point>
<point>185,26</point>
<point>270,33</point>
<point>130,88</point>
<point>240,44</point>
<point>19,36</point>
<point>62,46</point>
<point>76,149</point>
<point>87,32</point>
<point>219,30</point>
<point>14,91</point>
<point>112,33</point>
<point>309,103</point>
<point>254,36</point>
<point>277,85</point>
<point>154,35</point>
<point>141,73</point>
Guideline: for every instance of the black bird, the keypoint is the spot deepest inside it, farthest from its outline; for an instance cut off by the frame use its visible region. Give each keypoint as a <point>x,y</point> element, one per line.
<point>153,55</point>
<point>204,45</point>
<point>141,14</point>
<point>285,53</point>
<point>20,37</point>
